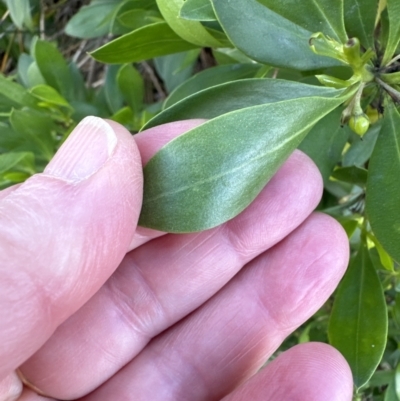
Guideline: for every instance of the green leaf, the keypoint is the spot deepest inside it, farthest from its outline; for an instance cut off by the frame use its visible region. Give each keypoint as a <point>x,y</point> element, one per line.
<point>358,322</point>
<point>361,149</point>
<point>390,393</point>
<point>53,67</point>
<point>393,7</point>
<point>352,175</point>
<point>135,19</point>
<point>359,18</point>
<point>17,161</point>
<point>113,94</point>
<point>34,75</point>
<point>190,31</point>
<point>383,189</point>
<point>175,69</point>
<point>145,43</point>
<point>92,21</point>
<point>24,62</point>
<point>131,85</point>
<point>324,16</point>
<point>267,37</point>
<point>211,173</point>
<point>236,95</point>
<point>211,77</point>
<point>197,10</point>
<point>325,143</point>
<point>36,128</point>
<point>20,12</point>
<point>49,95</point>
<point>16,93</point>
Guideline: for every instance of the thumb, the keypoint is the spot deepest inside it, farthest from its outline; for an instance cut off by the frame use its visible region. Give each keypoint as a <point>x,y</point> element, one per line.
<point>63,233</point>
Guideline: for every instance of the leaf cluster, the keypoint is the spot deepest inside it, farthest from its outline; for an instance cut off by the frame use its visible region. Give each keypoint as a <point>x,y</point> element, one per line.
<point>319,75</point>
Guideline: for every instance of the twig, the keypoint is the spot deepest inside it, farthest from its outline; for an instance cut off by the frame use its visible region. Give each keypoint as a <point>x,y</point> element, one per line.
<point>154,80</point>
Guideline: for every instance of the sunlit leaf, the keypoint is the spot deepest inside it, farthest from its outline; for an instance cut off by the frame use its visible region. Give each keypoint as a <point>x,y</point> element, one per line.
<point>198,10</point>
<point>191,31</point>
<point>142,44</point>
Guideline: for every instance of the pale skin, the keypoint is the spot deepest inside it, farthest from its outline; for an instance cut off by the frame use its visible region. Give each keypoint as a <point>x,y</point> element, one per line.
<point>94,308</point>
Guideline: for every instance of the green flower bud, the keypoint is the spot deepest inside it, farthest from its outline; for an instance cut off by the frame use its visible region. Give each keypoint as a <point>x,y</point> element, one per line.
<point>359,123</point>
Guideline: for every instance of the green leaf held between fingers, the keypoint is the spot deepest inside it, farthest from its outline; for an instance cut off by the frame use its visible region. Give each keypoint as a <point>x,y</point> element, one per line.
<point>383,189</point>
<point>197,10</point>
<point>358,323</point>
<point>211,77</point>
<point>393,7</point>
<point>191,31</point>
<point>267,37</point>
<point>145,43</point>
<point>236,95</point>
<point>359,18</point>
<point>210,174</point>
<point>324,16</point>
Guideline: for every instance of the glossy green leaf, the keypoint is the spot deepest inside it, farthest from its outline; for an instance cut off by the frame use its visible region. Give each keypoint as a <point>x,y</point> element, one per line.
<point>385,261</point>
<point>197,10</point>
<point>383,189</point>
<point>20,12</point>
<point>210,174</point>
<point>236,95</point>
<point>359,18</point>
<point>53,67</point>
<point>93,20</point>
<point>267,37</point>
<point>145,43</point>
<point>15,93</point>
<point>324,16</point>
<point>131,85</point>
<point>49,95</point>
<point>358,322</point>
<point>191,31</point>
<point>211,77</point>
<point>325,143</point>
<point>352,175</point>
<point>393,7</point>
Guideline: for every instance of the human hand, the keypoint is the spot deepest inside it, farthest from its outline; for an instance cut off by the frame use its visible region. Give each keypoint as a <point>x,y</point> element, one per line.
<point>181,317</point>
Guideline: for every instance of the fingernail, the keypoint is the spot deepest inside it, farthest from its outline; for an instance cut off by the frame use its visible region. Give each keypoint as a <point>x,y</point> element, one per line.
<point>85,151</point>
